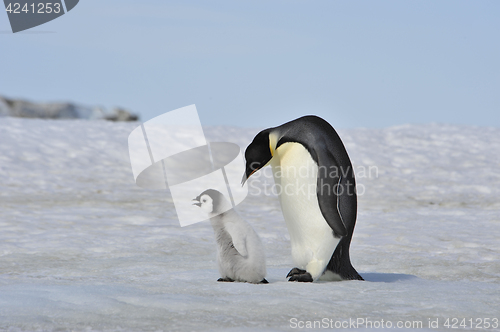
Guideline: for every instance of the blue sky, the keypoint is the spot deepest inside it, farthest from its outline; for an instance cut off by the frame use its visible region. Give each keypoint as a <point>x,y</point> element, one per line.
<point>261,63</point>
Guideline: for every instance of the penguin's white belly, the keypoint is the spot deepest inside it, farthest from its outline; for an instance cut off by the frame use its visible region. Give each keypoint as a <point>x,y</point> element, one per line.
<point>312,240</point>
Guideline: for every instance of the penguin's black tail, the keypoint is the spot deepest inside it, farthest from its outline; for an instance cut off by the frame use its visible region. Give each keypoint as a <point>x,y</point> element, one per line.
<point>340,263</point>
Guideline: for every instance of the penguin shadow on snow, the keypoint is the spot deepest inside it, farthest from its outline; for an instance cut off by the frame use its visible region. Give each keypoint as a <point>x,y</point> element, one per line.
<point>276,275</point>
<point>387,277</point>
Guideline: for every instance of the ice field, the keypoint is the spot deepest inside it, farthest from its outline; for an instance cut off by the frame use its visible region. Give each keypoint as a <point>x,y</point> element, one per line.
<point>83,248</point>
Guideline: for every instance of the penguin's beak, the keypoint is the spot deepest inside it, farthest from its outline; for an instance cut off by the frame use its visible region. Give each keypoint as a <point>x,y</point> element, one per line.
<point>197,202</point>
<point>245,177</point>
<point>253,167</point>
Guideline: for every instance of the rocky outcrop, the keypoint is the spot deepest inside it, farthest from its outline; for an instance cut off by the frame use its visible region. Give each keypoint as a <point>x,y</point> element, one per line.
<point>26,109</point>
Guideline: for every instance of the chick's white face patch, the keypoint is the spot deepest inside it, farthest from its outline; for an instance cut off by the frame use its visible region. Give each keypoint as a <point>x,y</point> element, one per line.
<point>171,151</point>
<point>207,204</point>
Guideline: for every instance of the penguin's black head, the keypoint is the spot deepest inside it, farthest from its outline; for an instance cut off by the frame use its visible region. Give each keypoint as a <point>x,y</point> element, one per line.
<point>257,154</point>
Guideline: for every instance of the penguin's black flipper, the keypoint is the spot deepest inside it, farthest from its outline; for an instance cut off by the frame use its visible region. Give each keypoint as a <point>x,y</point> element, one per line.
<point>347,201</point>
<point>264,281</point>
<point>345,210</point>
<point>329,191</point>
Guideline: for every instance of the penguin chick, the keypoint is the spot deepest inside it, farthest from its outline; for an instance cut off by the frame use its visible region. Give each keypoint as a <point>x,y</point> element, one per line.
<point>240,255</point>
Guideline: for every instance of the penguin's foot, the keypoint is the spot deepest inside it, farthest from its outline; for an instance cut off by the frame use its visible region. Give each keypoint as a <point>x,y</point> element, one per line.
<point>264,281</point>
<point>305,277</point>
<point>299,275</point>
<point>226,279</point>
<point>295,271</point>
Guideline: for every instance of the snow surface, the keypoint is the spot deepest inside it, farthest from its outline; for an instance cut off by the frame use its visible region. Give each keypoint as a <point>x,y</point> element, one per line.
<point>83,248</point>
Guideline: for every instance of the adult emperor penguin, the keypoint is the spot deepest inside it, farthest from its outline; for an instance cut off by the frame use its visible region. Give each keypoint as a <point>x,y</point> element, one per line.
<point>316,187</point>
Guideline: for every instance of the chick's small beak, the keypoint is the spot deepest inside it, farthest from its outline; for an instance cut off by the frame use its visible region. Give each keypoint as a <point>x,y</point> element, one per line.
<point>197,202</point>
